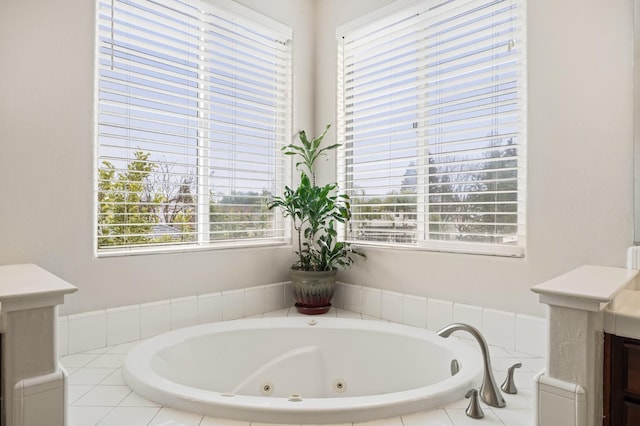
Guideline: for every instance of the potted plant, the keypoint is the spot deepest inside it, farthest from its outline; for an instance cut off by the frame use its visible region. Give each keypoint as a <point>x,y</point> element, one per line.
<point>315,212</point>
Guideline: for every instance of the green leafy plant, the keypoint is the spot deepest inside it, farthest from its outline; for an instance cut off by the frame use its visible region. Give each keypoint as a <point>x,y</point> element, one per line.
<point>315,211</point>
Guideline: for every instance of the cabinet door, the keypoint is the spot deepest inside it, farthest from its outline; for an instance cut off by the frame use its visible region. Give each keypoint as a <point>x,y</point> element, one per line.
<point>631,413</point>
<point>632,368</point>
<point>622,393</point>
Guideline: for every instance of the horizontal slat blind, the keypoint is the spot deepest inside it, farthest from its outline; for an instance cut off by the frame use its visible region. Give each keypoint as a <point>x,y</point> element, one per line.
<point>431,119</point>
<point>193,108</point>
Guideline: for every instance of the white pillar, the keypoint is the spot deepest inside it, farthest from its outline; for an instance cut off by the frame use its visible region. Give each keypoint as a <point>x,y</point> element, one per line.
<point>569,393</point>
<point>32,383</point>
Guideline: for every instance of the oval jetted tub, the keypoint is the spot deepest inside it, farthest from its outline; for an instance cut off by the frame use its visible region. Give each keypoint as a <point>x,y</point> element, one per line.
<point>301,370</point>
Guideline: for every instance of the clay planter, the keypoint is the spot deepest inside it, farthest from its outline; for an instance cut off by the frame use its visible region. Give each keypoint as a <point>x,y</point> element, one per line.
<point>313,290</point>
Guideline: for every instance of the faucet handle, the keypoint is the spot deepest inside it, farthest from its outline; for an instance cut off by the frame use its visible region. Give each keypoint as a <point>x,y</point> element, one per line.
<point>474,410</point>
<point>509,385</point>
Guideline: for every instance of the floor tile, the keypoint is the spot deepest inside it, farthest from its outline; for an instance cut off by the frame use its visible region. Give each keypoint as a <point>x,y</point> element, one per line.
<point>76,391</point>
<point>114,378</point>
<point>77,360</point>
<point>171,417</point>
<point>516,417</point>
<point>134,400</point>
<point>104,396</point>
<point>129,416</point>
<point>460,418</point>
<point>534,364</point>
<point>437,417</point>
<point>393,421</point>
<point>89,376</point>
<point>123,348</point>
<point>86,416</point>
<point>210,421</point>
<point>517,402</point>
<point>107,361</point>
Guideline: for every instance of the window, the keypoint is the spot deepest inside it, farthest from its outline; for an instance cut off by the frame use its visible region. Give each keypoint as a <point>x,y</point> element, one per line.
<point>431,118</point>
<point>193,106</point>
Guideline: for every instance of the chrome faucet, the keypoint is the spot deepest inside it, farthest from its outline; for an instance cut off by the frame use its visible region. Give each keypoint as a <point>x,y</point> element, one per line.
<point>489,391</point>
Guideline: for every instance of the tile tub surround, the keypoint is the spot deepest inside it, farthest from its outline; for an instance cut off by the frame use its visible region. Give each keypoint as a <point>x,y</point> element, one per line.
<point>105,328</point>
<point>99,396</point>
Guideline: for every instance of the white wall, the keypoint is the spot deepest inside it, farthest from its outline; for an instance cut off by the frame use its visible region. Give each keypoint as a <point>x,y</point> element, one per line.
<point>580,196</point>
<point>580,158</point>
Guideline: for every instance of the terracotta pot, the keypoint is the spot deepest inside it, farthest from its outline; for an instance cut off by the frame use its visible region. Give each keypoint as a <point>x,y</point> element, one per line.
<point>313,290</point>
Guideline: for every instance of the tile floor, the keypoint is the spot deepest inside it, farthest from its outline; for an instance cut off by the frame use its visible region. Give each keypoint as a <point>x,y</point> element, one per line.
<point>99,396</point>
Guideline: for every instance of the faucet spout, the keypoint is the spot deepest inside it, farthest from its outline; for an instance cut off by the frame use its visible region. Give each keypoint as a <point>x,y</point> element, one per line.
<point>489,391</point>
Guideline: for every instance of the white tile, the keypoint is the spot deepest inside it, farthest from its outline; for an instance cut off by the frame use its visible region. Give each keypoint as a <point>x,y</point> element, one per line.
<point>108,360</point>
<point>436,417</point>
<point>288,295</point>
<point>76,391</point>
<point>371,301</point>
<point>467,314</point>
<point>135,400</point>
<point>276,314</point>
<point>129,416</point>
<point>391,306</point>
<point>343,313</point>
<point>98,351</point>
<point>123,325</point>
<point>512,417</point>
<point>86,416</point>
<point>41,408</point>
<point>171,417</point>
<point>123,348</point>
<point>414,311</point>
<point>114,378</point>
<point>392,421</point>
<point>232,304</point>
<point>209,308</point>
<point>184,312</point>
<point>89,376</point>
<point>352,297</point>
<point>439,314</point>
<point>524,379</point>
<point>531,335</point>
<point>517,401</point>
<point>155,318</point>
<point>103,396</point>
<point>499,328</point>
<point>254,301</point>
<point>77,360</point>
<point>338,296</point>
<point>534,364</point>
<point>554,410</point>
<point>460,418</point>
<point>63,335</point>
<point>273,297</point>
<point>87,331</point>
<point>210,421</point>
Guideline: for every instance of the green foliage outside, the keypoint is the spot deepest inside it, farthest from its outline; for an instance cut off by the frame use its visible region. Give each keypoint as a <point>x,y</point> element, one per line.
<point>146,204</point>
<point>123,219</point>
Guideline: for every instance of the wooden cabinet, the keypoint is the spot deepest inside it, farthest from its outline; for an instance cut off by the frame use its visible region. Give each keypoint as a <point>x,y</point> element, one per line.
<point>621,381</point>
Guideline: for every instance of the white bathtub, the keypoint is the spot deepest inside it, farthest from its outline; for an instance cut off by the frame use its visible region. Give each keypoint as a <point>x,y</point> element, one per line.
<point>338,370</point>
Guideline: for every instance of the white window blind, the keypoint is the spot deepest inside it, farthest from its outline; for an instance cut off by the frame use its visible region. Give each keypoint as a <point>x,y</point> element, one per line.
<point>431,118</point>
<point>193,106</point>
